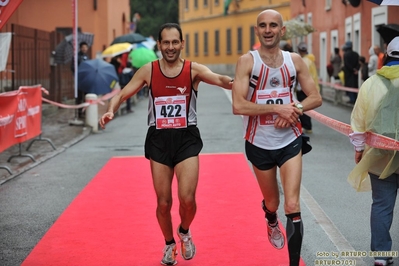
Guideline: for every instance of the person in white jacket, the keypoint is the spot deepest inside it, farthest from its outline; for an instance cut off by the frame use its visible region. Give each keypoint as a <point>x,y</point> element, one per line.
<point>376,111</point>
<point>373,61</point>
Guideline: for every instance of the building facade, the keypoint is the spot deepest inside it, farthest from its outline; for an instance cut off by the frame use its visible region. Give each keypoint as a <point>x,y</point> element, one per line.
<point>339,21</point>
<point>38,26</point>
<point>218,32</point>
<point>106,19</point>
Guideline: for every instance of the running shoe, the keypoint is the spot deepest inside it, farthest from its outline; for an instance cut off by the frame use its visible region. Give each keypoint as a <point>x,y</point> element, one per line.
<point>383,262</point>
<point>187,248</point>
<point>276,238</point>
<point>169,255</point>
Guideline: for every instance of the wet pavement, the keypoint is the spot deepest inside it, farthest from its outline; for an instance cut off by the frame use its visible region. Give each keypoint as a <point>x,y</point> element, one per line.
<point>57,132</point>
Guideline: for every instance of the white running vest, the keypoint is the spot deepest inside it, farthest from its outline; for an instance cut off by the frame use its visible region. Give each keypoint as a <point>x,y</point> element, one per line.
<point>270,86</point>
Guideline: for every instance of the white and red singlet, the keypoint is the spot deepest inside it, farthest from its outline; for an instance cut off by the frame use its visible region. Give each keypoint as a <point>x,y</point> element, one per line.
<point>270,86</point>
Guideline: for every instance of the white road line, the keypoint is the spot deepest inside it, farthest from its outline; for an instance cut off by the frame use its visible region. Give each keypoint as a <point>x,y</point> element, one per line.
<point>327,225</point>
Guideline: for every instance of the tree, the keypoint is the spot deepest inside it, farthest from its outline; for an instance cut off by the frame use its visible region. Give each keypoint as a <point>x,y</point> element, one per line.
<point>153,14</point>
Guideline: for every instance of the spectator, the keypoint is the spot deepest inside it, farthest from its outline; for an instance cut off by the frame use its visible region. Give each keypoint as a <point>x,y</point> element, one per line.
<point>376,111</point>
<point>380,55</point>
<point>336,62</point>
<point>309,61</point>
<point>351,69</point>
<point>116,61</point>
<point>82,56</point>
<point>286,46</point>
<point>124,78</point>
<point>373,61</point>
<point>364,68</point>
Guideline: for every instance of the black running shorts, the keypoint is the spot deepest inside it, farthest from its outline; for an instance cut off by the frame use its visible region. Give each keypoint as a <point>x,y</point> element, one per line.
<point>171,146</point>
<point>267,159</point>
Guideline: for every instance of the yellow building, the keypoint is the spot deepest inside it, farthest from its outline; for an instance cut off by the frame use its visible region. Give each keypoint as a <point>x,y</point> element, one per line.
<point>216,36</point>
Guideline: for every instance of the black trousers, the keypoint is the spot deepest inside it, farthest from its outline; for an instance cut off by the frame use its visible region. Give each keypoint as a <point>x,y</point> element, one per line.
<point>80,99</point>
<point>305,119</point>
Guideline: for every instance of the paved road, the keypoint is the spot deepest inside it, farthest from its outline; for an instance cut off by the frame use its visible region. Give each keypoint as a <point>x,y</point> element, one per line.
<point>335,216</point>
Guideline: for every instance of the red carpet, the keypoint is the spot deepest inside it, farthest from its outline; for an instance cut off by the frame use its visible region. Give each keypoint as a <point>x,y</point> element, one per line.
<point>112,221</point>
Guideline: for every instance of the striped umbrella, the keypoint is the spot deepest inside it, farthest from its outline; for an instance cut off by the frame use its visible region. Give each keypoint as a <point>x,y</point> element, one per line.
<point>64,50</point>
<point>386,2</point>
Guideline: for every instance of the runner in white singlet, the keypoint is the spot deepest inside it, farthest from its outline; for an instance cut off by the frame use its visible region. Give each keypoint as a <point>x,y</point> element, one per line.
<point>263,94</point>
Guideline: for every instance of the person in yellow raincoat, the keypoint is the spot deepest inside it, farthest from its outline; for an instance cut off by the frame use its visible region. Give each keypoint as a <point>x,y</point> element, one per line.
<point>376,110</point>
<point>309,60</point>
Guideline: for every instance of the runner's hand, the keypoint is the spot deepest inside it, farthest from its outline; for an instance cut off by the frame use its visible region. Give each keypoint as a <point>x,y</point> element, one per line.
<point>108,116</point>
<point>281,123</point>
<point>289,112</point>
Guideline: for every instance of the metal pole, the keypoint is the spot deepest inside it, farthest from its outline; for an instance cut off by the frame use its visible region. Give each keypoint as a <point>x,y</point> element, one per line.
<point>76,121</point>
<point>75,44</point>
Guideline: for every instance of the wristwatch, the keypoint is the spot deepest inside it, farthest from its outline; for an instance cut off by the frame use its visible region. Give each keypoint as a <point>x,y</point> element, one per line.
<point>299,106</point>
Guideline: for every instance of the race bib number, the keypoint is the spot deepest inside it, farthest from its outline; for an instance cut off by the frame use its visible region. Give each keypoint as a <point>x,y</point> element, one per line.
<point>170,112</point>
<point>274,96</point>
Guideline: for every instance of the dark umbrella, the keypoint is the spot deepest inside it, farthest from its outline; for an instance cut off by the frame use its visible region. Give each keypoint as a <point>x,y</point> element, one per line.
<point>130,38</point>
<point>388,32</point>
<point>96,76</point>
<point>64,50</point>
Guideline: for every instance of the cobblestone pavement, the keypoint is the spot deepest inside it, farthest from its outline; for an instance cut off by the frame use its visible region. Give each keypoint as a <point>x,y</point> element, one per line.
<point>57,129</point>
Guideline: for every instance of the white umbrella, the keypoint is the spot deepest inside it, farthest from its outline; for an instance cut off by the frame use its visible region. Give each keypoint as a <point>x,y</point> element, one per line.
<point>385,2</point>
<point>296,28</point>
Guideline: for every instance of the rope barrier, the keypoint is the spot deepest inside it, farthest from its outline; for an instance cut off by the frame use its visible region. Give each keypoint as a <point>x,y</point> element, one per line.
<point>372,139</point>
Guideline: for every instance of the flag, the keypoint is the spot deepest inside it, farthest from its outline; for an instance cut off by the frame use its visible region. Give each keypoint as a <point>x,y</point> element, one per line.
<point>226,6</point>
<point>7,8</point>
<point>5,40</point>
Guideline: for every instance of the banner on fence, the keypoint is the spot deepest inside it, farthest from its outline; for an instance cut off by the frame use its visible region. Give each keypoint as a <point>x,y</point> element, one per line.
<point>7,8</point>
<point>20,115</point>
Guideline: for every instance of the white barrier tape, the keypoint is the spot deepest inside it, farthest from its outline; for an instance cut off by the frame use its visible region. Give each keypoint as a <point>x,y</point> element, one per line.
<point>372,139</point>
<point>82,105</point>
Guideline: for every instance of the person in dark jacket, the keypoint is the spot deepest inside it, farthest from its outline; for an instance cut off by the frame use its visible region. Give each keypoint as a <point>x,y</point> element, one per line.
<point>124,78</point>
<point>364,68</point>
<point>351,70</point>
<point>82,56</point>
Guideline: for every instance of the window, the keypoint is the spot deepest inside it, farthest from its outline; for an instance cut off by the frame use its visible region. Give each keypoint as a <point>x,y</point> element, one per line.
<point>216,2</point>
<point>196,44</point>
<point>228,41</point>
<point>217,50</point>
<point>195,4</point>
<point>187,45</point>
<point>251,37</point>
<point>205,43</point>
<point>239,40</point>
<point>186,5</point>
<point>205,3</point>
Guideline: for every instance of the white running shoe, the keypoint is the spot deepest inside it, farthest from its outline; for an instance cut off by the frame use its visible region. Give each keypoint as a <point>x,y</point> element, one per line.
<point>276,237</point>
<point>169,255</point>
<point>383,262</point>
<point>187,248</point>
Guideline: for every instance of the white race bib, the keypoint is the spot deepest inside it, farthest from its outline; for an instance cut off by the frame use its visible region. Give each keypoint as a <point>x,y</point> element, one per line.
<point>170,112</point>
<point>272,96</point>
